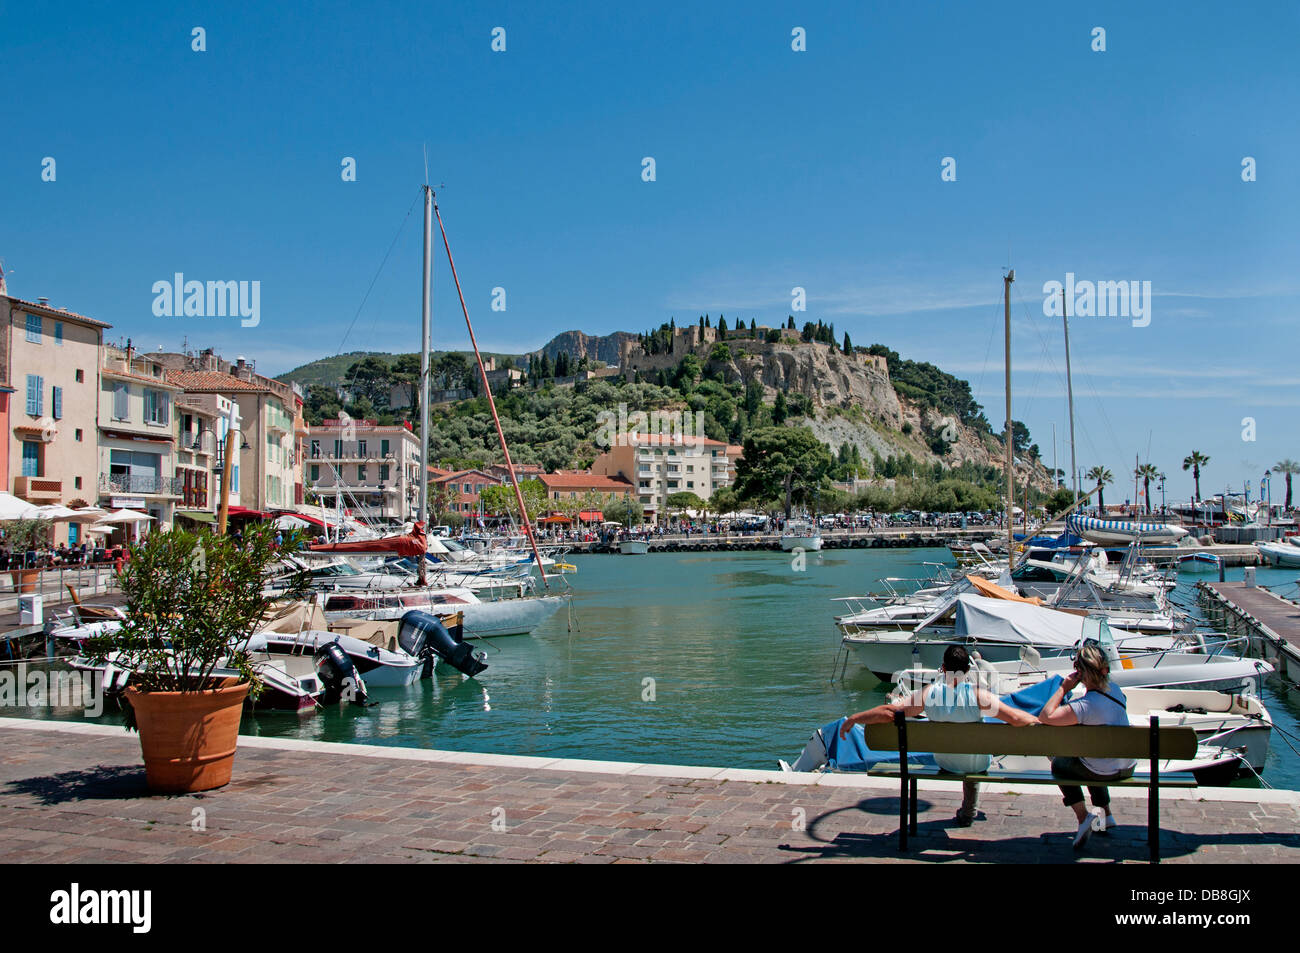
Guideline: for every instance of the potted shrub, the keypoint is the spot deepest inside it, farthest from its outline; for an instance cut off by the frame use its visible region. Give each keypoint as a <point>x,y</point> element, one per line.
<point>192,602</point>
<point>21,536</point>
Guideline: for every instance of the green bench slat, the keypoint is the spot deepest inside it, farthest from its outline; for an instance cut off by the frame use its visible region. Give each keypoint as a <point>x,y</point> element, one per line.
<point>1172,779</point>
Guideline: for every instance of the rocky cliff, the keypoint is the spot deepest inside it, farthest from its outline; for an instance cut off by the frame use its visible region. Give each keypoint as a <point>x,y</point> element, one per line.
<point>605,347</point>
<point>852,397</point>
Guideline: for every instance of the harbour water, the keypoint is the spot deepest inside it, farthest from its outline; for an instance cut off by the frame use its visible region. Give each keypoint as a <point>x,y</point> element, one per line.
<point>678,658</point>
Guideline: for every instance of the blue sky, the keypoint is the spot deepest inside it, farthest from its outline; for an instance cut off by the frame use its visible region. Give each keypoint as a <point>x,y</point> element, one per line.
<point>775,169</point>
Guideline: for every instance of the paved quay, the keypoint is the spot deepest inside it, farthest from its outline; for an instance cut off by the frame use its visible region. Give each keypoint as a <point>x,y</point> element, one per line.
<point>75,793</point>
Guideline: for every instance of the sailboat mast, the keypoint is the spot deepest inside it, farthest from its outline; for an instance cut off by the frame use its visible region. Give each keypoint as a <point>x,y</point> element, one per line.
<point>1011,473</point>
<point>424,356</point>
<point>1069,391</point>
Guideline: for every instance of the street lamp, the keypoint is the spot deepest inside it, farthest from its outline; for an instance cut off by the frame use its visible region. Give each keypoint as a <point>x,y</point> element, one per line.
<point>1162,493</point>
<point>1268,488</point>
<point>224,446</point>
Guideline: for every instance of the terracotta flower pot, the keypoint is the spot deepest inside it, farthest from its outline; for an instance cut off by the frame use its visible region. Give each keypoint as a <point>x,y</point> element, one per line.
<point>188,739</point>
<point>25,580</point>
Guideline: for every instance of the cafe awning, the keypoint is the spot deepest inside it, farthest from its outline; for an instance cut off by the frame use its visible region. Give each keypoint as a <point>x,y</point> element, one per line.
<point>199,516</point>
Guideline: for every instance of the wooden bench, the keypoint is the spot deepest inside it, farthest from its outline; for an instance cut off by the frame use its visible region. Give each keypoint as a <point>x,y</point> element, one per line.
<point>1079,741</point>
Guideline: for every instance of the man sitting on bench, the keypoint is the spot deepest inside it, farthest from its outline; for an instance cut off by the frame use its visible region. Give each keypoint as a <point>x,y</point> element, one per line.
<point>1099,706</point>
<point>951,698</point>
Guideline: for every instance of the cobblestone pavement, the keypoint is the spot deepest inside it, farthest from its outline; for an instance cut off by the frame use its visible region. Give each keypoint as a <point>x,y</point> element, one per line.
<point>78,796</point>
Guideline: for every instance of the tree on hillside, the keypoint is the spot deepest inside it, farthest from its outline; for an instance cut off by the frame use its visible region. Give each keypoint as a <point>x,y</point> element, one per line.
<point>779,410</point>
<point>782,464</point>
<point>848,345</point>
<point>369,378</point>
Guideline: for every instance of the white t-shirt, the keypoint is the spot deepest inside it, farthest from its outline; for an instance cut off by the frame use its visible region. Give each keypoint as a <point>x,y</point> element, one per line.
<point>1094,708</point>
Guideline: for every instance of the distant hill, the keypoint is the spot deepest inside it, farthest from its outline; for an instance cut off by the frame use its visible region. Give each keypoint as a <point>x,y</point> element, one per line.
<point>331,371</point>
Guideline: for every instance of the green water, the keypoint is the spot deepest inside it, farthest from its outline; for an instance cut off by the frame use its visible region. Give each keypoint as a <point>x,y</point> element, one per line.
<point>740,648</point>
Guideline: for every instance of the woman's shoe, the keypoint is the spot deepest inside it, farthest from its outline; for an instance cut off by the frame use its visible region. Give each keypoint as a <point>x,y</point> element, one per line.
<point>1084,832</point>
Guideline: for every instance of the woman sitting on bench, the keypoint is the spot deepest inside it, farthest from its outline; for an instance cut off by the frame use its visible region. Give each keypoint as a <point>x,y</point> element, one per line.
<point>1101,705</point>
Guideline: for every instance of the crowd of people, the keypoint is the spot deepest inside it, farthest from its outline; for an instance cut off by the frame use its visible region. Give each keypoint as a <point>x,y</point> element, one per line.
<point>62,556</point>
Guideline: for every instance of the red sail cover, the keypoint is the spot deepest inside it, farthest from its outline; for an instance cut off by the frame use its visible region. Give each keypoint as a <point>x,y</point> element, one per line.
<point>412,544</point>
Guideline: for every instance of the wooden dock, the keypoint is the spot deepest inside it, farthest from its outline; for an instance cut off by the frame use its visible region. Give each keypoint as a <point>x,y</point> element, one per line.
<point>1272,622</point>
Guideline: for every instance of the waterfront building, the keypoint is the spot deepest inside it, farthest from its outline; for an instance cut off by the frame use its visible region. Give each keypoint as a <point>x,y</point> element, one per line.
<point>585,485</point>
<point>137,436</point>
<point>659,465</point>
<point>202,423</point>
<point>271,467</point>
<point>51,359</point>
<point>460,489</point>
<point>377,467</point>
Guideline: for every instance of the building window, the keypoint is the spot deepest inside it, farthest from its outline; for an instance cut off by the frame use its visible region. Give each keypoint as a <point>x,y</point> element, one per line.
<point>121,401</point>
<point>315,448</point>
<point>77,434</point>
<point>76,484</point>
<point>31,458</point>
<point>383,473</point>
<point>81,376</point>
<point>56,400</point>
<point>690,484</point>
<point>361,448</point>
<point>315,472</point>
<point>35,385</point>
<point>34,328</point>
<point>58,333</point>
<point>338,449</point>
<point>155,407</point>
<point>361,474</point>
<point>383,448</point>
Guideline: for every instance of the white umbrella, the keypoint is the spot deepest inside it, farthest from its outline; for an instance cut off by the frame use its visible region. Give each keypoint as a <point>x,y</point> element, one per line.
<point>57,512</point>
<point>124,517</point>
<point>88,514</point>
<point>12,508</point>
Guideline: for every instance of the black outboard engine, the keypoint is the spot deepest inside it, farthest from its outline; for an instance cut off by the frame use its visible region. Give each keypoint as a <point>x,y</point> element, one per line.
<point>339,675</point>
<point>423,636</point>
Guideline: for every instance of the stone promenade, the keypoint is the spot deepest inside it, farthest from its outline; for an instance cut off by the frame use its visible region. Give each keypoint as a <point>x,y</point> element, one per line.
<point>75,793</point>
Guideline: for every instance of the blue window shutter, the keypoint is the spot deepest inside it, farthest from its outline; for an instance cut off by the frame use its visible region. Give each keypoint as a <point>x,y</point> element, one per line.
<point>58,403</point>
<point>34,328</point>
<point>58,332</point>
<point>33,395</point>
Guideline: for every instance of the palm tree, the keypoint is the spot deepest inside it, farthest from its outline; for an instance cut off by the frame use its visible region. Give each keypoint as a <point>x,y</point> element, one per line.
<point>1288,467</point>
<point>1194,463</point>
<point>1102,476</point>
<point>1146,473</point>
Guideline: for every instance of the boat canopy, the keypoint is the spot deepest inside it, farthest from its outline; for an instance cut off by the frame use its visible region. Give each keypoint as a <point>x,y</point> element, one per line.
<point>411,544</point>
<point>1005,621</point>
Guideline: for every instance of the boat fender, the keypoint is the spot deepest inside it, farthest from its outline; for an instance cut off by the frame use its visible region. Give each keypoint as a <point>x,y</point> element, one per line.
<point>339,675</point>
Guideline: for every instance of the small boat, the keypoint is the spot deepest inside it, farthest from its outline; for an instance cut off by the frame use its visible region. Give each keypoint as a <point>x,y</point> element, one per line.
<point>1202,562</point>
<point>1283,552</point>
<point>482,619</point>
<point>801,534</point>
<point>633,547</point>
<point>1122,532</point>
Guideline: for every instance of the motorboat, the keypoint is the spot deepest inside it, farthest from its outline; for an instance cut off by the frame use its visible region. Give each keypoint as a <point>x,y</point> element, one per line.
<point>801,534</point>
<point>1282,552</point>
<point>633,546</point>
<point>1123,532</point>
<point>483,619</point>
<point>998,628</point>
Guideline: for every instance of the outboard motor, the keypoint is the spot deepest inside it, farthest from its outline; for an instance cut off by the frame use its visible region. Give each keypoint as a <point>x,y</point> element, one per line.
<point>339,675</point>
<point>423,636</point>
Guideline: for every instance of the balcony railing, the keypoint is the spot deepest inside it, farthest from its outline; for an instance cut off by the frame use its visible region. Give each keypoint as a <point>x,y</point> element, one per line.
<point>38,489</point>
<point>142,483</point>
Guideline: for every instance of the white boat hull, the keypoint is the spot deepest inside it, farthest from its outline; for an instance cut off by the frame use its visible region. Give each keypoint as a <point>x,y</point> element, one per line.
<point>634,547</point>
<point>791,543</point>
